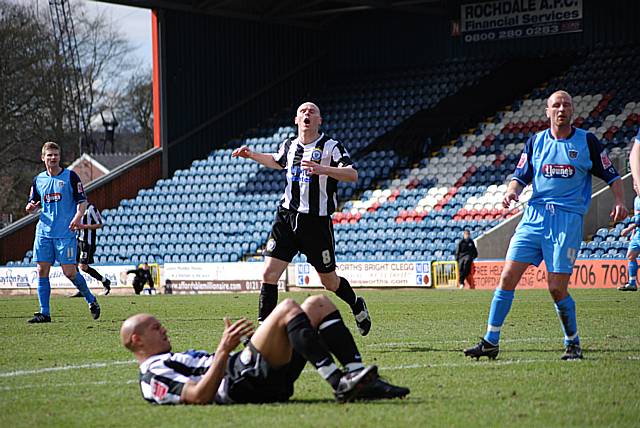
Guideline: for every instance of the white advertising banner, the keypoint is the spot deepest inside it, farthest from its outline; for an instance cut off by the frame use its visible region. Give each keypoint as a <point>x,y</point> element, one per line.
<point>371,274</point>
<point>513,19</point>
<point>211,277</point>
<point>27,277</point>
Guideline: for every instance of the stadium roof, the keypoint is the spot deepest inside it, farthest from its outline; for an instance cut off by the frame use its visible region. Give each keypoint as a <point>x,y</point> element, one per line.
<point>311,13</point>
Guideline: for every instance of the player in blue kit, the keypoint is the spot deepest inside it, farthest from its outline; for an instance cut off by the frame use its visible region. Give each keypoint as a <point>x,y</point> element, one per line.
<point>59,193</point>
<point>558,162</point>
<point>634,247</point>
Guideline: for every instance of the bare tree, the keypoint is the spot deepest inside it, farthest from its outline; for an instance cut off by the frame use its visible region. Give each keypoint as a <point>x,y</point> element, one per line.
<point>33,107</point>
<point>137,105</point>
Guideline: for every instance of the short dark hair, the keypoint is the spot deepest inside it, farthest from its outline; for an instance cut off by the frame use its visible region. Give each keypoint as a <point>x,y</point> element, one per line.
<point>466,231</point>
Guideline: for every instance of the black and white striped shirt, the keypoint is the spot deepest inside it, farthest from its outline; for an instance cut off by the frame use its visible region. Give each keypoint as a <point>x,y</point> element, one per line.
<point>91,216</point>
<point>311,194</point>
<point>163,376</point>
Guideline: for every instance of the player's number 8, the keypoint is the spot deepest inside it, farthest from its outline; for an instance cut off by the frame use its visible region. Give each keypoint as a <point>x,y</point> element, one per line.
<point>326,257</point>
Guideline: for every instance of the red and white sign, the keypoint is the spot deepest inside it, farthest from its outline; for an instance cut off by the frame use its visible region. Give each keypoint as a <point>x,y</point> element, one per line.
<point>586,274</point>
<point>371,274</point>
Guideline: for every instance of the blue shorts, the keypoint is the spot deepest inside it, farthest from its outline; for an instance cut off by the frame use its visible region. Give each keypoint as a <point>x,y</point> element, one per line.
<point>549,234</point>
<point>51,249</point>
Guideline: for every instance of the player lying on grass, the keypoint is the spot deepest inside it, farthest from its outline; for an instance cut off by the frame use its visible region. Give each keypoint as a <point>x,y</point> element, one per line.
<point>265,371</point>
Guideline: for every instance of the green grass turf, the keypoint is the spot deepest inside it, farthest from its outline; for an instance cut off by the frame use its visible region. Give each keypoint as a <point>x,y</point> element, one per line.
<point>416,341</point>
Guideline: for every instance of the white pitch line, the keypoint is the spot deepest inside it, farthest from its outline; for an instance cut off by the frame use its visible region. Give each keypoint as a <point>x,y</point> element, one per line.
<point>63,368</point>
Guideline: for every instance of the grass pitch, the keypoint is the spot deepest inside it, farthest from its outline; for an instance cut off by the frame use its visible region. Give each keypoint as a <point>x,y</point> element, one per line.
<point>73,372</point>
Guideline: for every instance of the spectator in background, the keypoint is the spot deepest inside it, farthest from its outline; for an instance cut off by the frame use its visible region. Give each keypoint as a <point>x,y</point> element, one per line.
<point>465,254</point>
<point>87,238</point>
<point>142,276</point>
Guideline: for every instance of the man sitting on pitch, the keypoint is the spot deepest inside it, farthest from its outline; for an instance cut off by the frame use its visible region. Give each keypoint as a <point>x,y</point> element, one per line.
<point>266,369</point>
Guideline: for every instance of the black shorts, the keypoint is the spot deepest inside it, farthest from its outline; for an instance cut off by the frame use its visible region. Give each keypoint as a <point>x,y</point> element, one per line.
<point>309,234</point>
<point>84,254</point>
<point>250,379</point>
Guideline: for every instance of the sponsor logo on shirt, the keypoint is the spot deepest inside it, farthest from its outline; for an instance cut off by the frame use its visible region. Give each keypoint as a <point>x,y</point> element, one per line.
<point>159,389</point>
<point>606,162</point>
<point>522,161</point>
<point>52,197</point>
<point>551,170</point>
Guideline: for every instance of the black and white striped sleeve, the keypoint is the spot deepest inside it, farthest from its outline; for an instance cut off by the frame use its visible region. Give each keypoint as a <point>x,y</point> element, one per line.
<point>93,215</point>
<point>340,157</point>
<point>161,384</point>
<point>281,155</point>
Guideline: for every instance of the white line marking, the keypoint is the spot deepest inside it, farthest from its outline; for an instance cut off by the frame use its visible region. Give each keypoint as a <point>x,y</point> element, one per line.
<point>63,368</point>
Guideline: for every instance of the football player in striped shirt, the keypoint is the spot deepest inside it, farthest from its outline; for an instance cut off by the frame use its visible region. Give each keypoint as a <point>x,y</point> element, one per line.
<point>314,165</point>
<point>266,369</point>
<point>58,192</point>
<point>87,241</point>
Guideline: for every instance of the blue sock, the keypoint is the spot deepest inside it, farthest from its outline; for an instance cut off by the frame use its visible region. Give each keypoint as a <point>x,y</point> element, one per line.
<point>81,285</point>
<point>500,306</point>
<point>44,294</point>
<point>633,271</point>
<point>566,309</point>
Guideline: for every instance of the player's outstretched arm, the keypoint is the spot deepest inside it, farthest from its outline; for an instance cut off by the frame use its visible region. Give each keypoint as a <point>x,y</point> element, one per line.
<point>204,391</point>
<point>262,158</point>
<point>513,193</point>
<point>340,173</point>
<point>619,210</point>
<point>627,230</point>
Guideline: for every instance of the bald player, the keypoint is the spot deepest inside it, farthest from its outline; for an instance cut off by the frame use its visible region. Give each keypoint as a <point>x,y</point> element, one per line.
<point>314,163</point>
<point>266,369</point>
<point>558,162</point>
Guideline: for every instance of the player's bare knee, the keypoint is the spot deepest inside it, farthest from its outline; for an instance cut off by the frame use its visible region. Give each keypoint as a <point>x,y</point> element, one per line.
<point>288,309</point>
<point>83,268</point>
<point>317,308</point>
<point>632,256</point>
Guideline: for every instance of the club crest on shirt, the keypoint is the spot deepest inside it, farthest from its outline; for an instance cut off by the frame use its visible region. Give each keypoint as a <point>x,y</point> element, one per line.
<point>59,183</point>
<point>573,154</point>
<point>316,155</point>
<point>606,162</point>
<point>550,170</point>
<point>522,161</point>
<point>159,389</point>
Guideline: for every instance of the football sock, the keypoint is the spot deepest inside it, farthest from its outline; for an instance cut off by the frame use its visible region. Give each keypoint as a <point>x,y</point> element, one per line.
<point>566,309</point>
<point>81,285</point>
<point>305,340</point>
<point>340,342</point>
<point>94,274</point>
<point>44,294</point>
<point>345,292</point>
<point>633,272</point>
<point>500,306</point>
<point>267,301</point>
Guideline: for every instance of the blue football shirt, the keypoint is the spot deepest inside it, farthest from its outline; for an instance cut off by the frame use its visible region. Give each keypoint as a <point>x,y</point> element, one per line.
<point>560,170</point>
<point>59,196</point>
